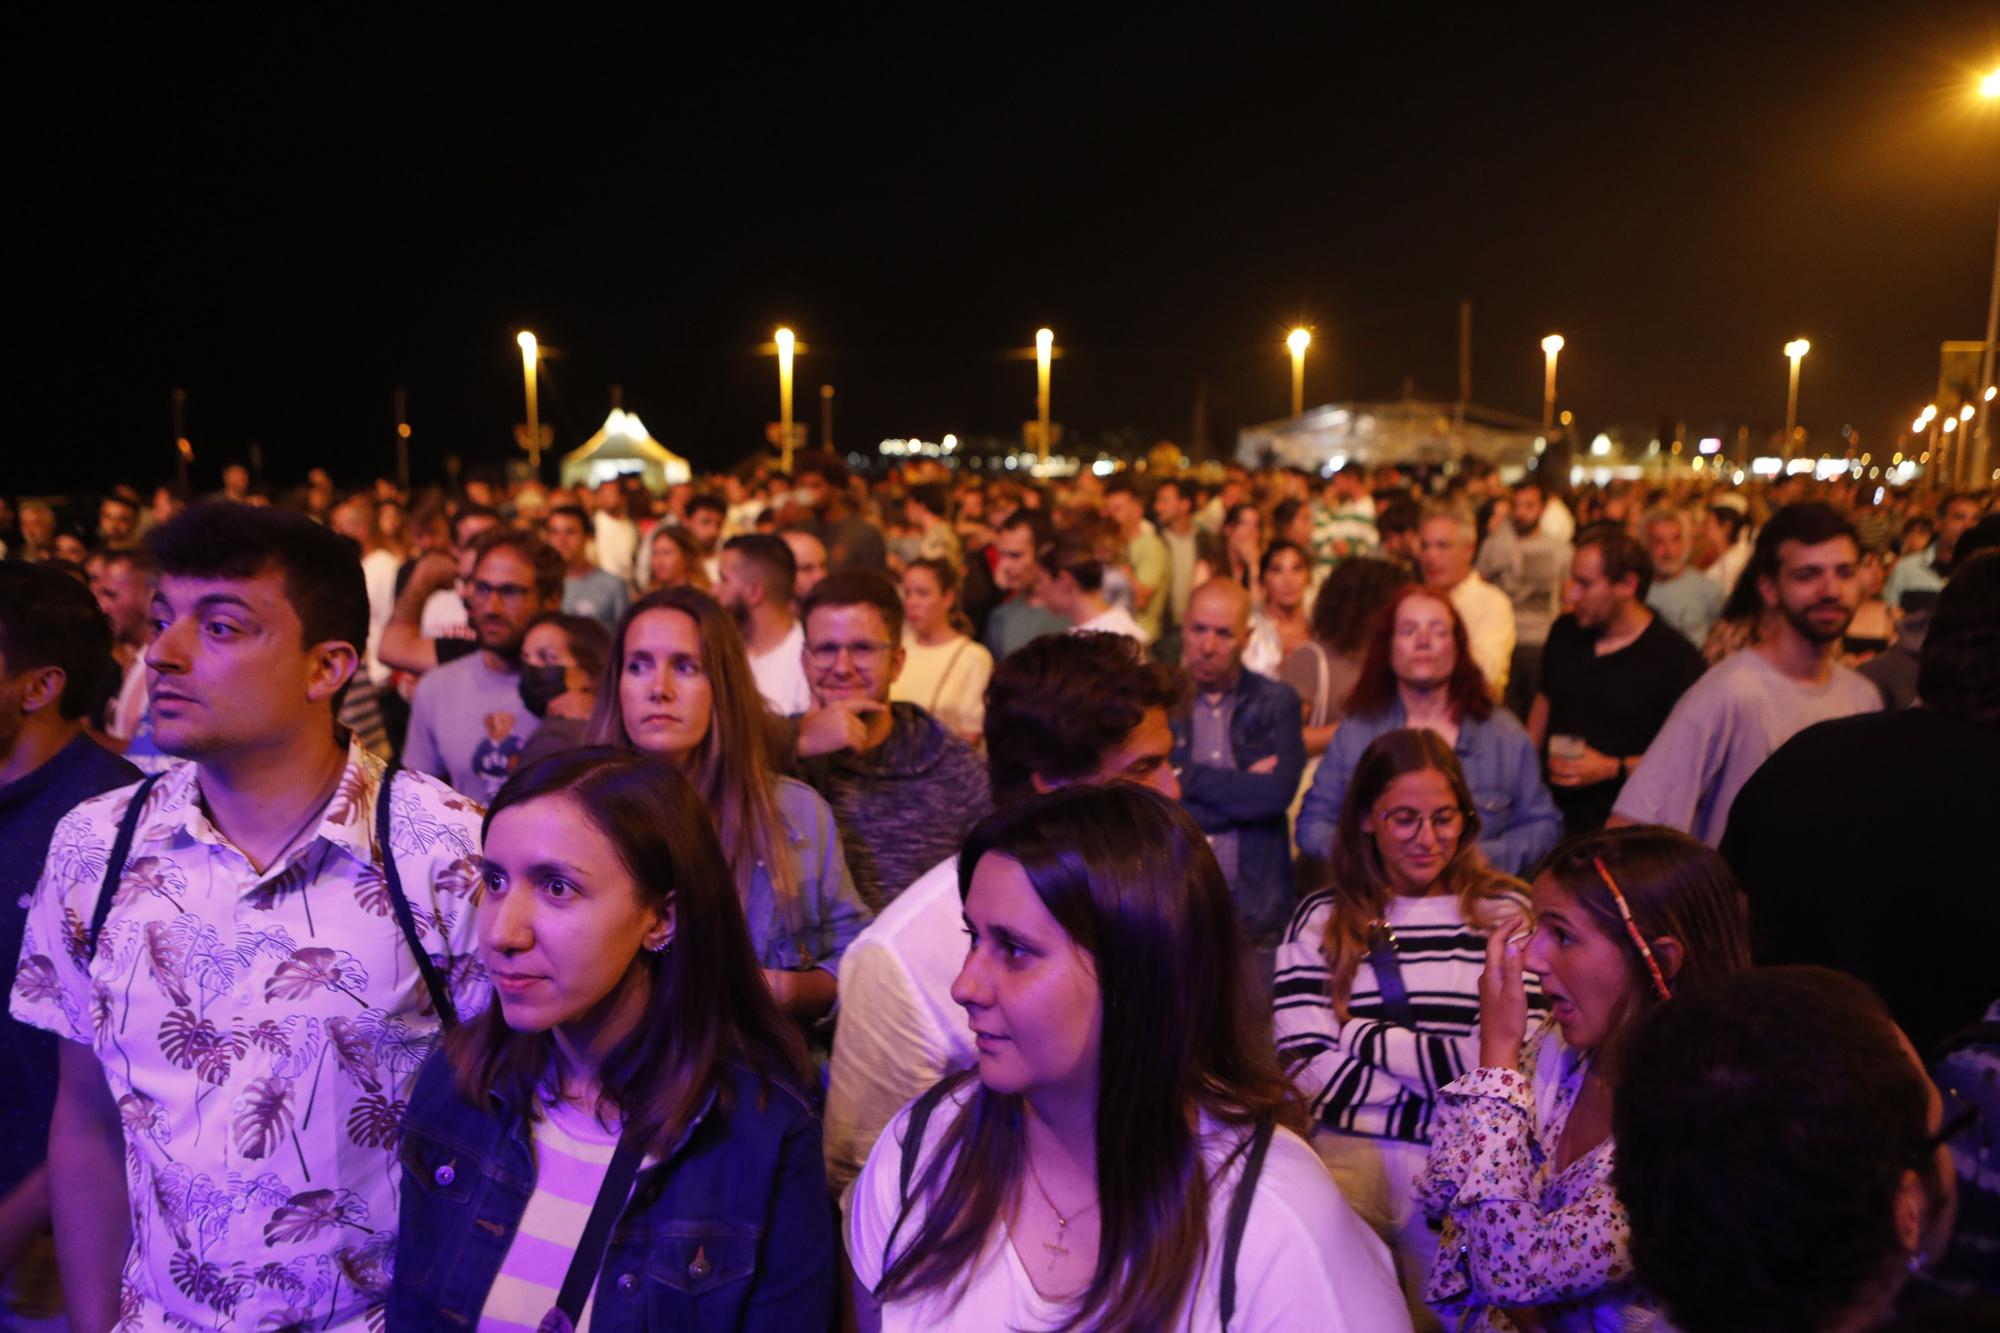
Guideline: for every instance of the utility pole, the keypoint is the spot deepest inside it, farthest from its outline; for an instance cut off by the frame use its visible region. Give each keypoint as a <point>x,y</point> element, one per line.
<point>402,405</point>
<point>826,417</point>
<point>183,450</point>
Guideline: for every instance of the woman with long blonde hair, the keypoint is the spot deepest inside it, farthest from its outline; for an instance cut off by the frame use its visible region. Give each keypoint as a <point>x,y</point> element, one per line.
<point>678,685</point>
<point>1377,989</point>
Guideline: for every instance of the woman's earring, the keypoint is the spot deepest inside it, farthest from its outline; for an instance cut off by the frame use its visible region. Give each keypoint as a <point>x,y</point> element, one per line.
<point>662,947</point>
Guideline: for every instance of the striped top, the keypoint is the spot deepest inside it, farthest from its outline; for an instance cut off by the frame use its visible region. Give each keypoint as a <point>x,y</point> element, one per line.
<point>1368,1075</point>
<point>572,1153</point>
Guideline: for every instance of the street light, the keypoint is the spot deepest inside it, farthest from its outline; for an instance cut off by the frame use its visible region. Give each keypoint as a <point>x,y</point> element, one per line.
<point>1990,85</point>
<point>1796,349</point>
<point>530,355</point>
<point>783,338</point>
<point>1298,342</point>
<point>1045,350</point>
<point>1550,346</point>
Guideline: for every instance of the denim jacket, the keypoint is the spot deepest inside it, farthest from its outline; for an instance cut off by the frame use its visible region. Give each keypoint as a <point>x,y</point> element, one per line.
<point>831,912</point>
<point>1266,723</point>
<point>1518,818</point>
<point>732,1229</point>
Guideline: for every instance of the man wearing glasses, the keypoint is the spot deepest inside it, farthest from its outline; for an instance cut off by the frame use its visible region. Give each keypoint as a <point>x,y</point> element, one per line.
<point>468,723</point>
<point>904,790</point>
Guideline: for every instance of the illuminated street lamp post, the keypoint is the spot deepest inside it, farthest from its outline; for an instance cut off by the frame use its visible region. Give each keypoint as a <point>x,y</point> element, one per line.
<point>783,338</point>
<point>1045,350</point>
<point>1550,346</point>
<point>530,354</point>
<point>1982,454</point>
<point>1796,349</point>
<point>1298,342</point>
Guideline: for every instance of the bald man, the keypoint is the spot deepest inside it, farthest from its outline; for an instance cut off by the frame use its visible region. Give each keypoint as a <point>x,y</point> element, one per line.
<point>1240,750</point>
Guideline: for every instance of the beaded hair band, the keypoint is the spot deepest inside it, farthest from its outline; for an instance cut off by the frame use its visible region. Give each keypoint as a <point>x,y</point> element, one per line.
<point>1632,929</point>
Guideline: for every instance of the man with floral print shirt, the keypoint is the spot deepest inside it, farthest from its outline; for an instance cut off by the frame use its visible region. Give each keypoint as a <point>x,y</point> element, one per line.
<point>244,1032</point>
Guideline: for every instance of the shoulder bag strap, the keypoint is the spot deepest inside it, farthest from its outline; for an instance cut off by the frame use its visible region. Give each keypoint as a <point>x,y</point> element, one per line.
<point>588,1257</point>
<point>434,981</point>
<point>1321,704</point>
<point>913,1145</point>
<point>1239,1216</point>
<point>1388,968</point>
<point>114,866</point>
<point>945,679</point>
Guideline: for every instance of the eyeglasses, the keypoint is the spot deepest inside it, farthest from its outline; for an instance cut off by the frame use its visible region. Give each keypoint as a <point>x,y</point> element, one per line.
<point>506,592</point>
<point>1404,822</point>
<point>824,656</point>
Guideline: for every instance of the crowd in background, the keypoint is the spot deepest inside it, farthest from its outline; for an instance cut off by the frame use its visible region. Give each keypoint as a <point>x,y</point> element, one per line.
<point>1469,780</point>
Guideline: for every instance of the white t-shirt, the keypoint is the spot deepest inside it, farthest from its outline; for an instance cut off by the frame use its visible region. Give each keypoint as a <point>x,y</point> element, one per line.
<point>1307,1262</point>
<point>1116,620</point>
<point>1722,731</point>
<point>617,542</point>
<point>900,1031</point>
<point>378,571</point>
<point>1489,626</point>
<point>946,680</point>
<point>781,674</point>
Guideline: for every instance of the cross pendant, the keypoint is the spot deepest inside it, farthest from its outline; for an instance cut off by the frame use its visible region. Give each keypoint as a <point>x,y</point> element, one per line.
<point>1057,1251</point>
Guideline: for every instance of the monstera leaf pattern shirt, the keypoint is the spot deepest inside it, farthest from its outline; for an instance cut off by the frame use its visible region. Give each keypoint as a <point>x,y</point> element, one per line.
<point>260,1032</point>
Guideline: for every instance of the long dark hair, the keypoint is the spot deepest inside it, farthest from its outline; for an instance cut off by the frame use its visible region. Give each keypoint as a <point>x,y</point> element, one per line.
<point>706,1001</point>
<point>1675,885</point>
<point>1361,887</point>
<point>734,768</point>
<point>1132,881</point>
<point>1375,689</point>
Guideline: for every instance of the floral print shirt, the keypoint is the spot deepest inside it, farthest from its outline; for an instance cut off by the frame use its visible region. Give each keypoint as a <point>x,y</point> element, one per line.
<point>260,1033</point>
<point>1517,1232</point>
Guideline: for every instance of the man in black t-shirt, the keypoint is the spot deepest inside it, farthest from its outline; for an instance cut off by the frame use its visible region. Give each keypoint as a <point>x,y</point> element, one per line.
<point>1611,673</point>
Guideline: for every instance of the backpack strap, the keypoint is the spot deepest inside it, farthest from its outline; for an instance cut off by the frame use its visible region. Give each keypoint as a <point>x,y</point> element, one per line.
<point>913,1144</point>
<point>433,980</point>
<point>1239,1216</point>
<point>114,865</point>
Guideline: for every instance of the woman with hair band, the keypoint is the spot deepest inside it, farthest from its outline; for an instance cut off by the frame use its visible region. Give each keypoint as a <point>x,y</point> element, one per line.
<point>1125,1155</point>
<point>944,671</point>
<point>1377,995</point>
<point>633,1069</point>
<point>1519,1173</point>
<point>678,685</point>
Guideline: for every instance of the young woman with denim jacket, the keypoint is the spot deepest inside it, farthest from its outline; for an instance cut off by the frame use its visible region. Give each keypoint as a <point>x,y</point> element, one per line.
<point>678,685</point>
<point>630,1022</point>
<point>1419,672</point>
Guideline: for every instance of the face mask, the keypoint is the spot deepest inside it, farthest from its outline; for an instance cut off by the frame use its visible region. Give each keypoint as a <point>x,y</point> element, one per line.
<point>541,685</point>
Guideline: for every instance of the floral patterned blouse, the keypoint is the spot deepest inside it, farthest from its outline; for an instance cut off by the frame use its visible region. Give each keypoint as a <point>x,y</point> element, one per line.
<point>260,1033</point>
<point>1517,1232</point>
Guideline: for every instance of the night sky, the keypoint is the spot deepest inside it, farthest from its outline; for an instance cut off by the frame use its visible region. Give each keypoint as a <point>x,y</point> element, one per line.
<point>291,222</point>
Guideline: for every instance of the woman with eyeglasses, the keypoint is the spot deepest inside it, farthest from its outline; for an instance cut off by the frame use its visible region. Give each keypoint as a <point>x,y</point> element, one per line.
<point>1377,989</point>
<point>678,685</point>
<point>1419,672</point>
<point>1519,1174</point>
<point>1125,1155</point>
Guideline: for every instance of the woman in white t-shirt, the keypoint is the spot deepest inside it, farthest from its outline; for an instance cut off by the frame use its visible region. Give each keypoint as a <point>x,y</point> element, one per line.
<point>1125,1154</point>
<point>944,671</point>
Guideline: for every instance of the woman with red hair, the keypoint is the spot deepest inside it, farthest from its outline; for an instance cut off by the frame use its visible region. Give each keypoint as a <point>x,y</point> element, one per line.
<point>1419,672</point>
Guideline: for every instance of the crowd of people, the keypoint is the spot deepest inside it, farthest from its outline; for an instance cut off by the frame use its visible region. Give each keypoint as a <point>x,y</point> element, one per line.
<point>1229,899</point>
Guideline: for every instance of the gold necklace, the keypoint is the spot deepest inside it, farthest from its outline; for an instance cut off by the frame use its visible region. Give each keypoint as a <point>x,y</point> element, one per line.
<point>1057,1250</point>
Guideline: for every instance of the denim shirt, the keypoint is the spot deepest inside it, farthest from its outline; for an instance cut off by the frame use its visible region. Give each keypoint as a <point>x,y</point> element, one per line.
<point>1518,818</point>
<point>1266,722</point>
<point>731,1229</point>
<point>831,912</point>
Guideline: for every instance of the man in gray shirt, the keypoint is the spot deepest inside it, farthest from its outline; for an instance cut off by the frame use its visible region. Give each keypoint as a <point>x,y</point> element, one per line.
<point>587,590</point>
<point>1530,566</point>
<point>468,723</point>
<point>1724,728</point>
<point>1688,601</point>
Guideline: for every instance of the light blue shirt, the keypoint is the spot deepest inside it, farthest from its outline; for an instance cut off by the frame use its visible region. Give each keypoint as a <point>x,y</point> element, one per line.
<point>1690,602</point>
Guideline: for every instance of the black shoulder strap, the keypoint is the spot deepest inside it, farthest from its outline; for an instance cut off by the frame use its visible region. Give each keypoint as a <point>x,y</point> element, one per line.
<point>1239,1216</point>
<point>433,980</point>
<point>114,867</point>
<point>1387,964</point>
<point>913,1146</point>
<point>588,1257</point>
